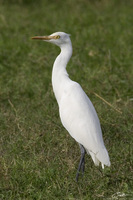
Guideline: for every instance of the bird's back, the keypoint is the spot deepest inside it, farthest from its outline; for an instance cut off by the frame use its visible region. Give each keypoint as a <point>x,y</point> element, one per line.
<point>79,117</point>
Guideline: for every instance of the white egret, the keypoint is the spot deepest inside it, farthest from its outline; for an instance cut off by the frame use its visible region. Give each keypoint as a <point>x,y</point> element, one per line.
<point>76,111</point>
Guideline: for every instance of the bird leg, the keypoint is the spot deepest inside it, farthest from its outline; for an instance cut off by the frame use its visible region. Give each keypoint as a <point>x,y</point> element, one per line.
<point>81,163</point>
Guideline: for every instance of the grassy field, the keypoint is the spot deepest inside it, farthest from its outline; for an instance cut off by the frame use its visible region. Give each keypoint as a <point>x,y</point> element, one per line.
<point>38,158</point>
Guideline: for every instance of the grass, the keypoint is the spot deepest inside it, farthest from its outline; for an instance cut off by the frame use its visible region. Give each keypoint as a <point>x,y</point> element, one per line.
<point>38,158</point>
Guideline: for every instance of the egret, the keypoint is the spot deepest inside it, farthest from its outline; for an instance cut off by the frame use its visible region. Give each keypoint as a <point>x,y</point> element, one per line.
<point>76,111</point>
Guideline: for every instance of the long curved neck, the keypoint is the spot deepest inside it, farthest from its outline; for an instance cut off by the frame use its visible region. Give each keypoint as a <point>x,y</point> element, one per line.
<point>60,77</point>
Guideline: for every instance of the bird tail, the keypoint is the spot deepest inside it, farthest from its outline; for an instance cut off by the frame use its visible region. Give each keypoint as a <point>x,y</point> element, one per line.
<point>101,156</point>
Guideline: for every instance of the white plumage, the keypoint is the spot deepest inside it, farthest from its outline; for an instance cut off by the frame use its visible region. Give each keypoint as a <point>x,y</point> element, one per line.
<point>76,111</point>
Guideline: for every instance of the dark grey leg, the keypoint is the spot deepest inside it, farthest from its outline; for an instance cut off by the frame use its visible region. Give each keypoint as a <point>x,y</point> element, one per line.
<point>81,163</point>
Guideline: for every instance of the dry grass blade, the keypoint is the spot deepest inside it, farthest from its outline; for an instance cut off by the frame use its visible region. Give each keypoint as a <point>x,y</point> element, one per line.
<point>107,103</point>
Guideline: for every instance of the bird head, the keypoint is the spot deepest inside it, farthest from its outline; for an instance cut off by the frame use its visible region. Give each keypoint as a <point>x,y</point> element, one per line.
<point>58,38</point>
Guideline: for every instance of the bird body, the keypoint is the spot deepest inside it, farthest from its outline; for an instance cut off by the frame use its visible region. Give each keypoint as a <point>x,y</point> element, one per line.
<point>77,113</point>
<point>79,117</point>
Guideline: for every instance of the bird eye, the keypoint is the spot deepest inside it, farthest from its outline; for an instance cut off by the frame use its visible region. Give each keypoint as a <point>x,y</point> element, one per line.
<point>57,37</point>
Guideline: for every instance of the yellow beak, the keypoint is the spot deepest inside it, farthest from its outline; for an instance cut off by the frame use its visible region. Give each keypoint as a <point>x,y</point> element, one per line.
<point>43,37</point>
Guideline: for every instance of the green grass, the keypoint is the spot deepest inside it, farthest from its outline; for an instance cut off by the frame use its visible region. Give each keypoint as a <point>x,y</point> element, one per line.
<point>38,158</point>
